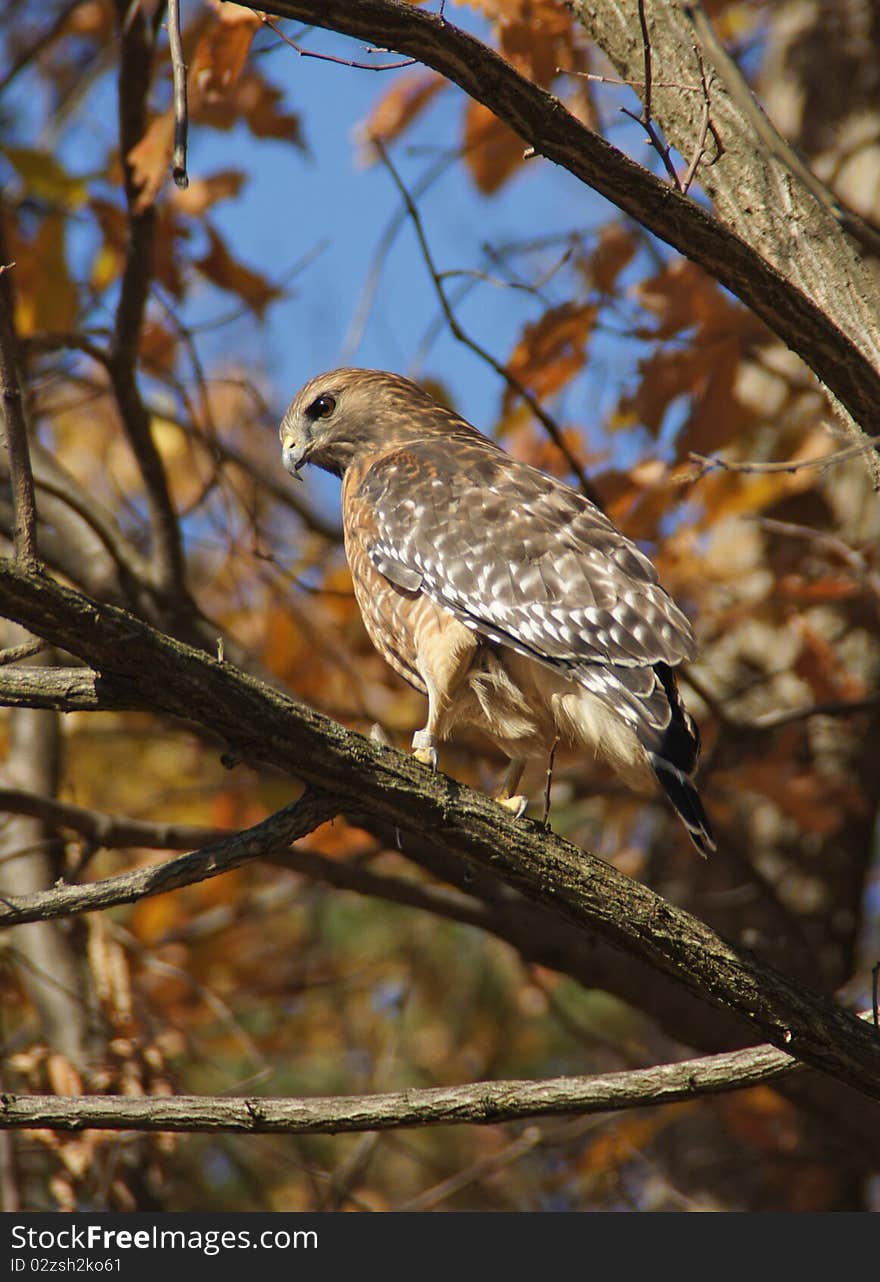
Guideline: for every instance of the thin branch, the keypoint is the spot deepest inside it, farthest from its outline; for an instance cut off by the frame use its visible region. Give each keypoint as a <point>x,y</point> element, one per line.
<point>329,57</point>
<point>513,383</point>
<point>645,119</point>
<point>116,831</point>
<point>712,463</point>
<point>23,501</point>
<point>108,831</point>
<point>483,1168</point>
<point>705,128</point>
<point>259,842</point>
<point>15,653</point>
<point>832,543</point>
<point>178,75</point>
<point>481,1104</point>
<point>790,716</point>
<point>135,69</point>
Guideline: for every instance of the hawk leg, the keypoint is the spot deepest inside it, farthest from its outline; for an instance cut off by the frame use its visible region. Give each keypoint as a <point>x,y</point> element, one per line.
<point>444,652</point>
<point>507,795</point>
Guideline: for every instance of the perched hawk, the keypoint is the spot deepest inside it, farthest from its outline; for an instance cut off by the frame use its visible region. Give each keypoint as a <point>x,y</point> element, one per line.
<point>502,594</point>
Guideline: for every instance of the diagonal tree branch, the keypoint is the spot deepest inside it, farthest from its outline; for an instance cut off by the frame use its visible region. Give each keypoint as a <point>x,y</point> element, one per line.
<point>842,352</point>
<point>378,787</point>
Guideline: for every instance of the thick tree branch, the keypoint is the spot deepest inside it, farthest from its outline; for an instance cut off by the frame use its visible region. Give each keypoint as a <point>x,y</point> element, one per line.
<point>840,352</point>
<point>482,1103</point>
<point>377,787</point>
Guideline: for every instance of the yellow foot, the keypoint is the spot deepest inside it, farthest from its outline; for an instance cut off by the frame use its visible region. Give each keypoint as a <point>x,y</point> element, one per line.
<point>516,804</point>
<point>425,748</point>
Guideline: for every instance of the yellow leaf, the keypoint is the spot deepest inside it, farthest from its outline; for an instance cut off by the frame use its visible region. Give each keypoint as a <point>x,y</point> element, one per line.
<point>44,177</point>
<point>46,297</point>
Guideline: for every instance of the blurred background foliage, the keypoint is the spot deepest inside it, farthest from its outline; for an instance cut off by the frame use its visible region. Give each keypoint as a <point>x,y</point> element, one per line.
<point>281,258</point>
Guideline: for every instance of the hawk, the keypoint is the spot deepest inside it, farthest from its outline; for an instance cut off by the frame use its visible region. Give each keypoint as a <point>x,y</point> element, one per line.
<point>501,593</point>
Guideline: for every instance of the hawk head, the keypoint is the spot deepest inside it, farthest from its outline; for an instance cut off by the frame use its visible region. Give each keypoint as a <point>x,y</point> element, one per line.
<point>339,415</point>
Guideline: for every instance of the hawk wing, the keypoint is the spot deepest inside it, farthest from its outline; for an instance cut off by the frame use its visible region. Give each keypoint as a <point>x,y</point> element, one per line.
<point>520,558</point>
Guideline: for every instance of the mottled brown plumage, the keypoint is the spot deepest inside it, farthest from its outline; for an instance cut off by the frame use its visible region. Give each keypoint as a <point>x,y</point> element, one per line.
<point>501,593</point>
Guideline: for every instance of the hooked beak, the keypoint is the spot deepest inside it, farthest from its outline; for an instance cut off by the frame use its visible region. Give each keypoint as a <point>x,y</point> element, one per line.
<point>293,456</point>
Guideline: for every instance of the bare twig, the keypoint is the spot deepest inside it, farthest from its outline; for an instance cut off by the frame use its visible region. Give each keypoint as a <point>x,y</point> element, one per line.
<point>712,463</point>
<point>550,424</point>
<point>704,128</point>
<point>110,831</point>
<point>645,118</point>
<point>481,1169</point>
<point>329,57</point>
<point>830,708</point>
<point>480,1104</point>
<point>135,68</point>
<point>181,117</point>
<point>646,52</point>
<point>15,653</point>
<point>831,543</point>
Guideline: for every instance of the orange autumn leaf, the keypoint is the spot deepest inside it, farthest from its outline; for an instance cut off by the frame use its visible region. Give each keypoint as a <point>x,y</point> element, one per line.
<point>203,193</point>
<point>226,272</point>
<point>492,151</point>
<point>222,52</point>
<point>553,349</point>
<point>613,253</point>
<point>404,101</point>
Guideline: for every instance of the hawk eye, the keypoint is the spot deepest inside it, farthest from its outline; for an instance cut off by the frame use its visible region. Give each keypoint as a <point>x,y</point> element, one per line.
<point>322,407</point>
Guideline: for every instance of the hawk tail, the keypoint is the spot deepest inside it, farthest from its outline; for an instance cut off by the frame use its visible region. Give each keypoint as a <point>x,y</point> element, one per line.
<point>685,801</point>
<point>674,760</point>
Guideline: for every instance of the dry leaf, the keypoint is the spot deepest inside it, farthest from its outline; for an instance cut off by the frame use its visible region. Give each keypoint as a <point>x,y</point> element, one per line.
<point>203,193</point>
<point>400,105</point>
<point>492,151</point>
<point>552,350</point>
<point>226,272</point>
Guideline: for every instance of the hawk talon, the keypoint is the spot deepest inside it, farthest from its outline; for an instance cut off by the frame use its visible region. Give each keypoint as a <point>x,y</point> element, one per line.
<point>425,748</point>
<point>517,805</point>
